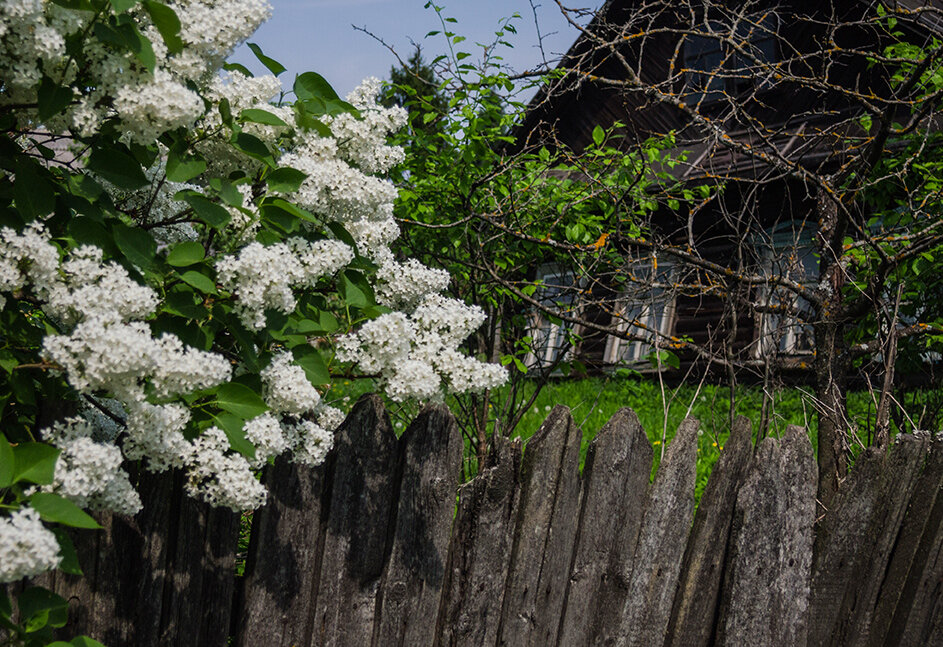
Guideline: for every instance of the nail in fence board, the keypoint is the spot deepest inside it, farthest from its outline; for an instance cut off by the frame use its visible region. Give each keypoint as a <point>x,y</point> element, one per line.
<point>662,539</point>
<point>479,551</point>
<point>543,542</point>
<point>283,563</point>
<point>363,495</point>
<point>412,585</point>
<point>702,569</point>
<point>614,489</point>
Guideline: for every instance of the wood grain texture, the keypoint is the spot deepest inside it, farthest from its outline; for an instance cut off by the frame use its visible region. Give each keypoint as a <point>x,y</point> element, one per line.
<point>661,544</point>
<point>412,585</point>
<point>702,569</point>
<point>544,535</point>
<point>480,551</point>
<point>280,585</point>
<point>614,489</point>
<point>360,519</point>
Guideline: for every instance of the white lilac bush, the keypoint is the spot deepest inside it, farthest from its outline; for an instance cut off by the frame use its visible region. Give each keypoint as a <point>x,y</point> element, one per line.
<point>188,254</point>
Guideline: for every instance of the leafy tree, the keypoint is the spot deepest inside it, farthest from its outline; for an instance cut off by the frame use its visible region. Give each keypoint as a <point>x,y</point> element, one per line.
<point>769,169</point>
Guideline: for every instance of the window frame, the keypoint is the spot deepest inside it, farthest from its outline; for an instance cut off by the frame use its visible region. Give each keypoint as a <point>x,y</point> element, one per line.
<point>652,309</point>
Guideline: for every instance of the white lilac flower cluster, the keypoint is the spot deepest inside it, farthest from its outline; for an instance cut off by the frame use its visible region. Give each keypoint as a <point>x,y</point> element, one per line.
<point>417,355</point>
<point>264,277</point>
<point>88,472</point>
<point>33,35</point>
<point>293,401</point>
<point>104,345</point>
<point>27,548</point>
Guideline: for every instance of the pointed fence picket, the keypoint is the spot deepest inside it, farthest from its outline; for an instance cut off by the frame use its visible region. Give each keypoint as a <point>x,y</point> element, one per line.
<point>382,545</point>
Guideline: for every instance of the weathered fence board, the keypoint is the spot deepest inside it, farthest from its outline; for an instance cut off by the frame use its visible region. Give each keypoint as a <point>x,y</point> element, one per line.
<point>412,585</point>
<point>372,548</point>
<point>479,552</point>
<point>360,517</point>
<point>766,594</point>
<point>657,562</point>
<point>855,540</point>
<point>283,563</point>
<point>543,546</point>
<point>909,565</point>
<point>702,569</point>
<point>615,485</point>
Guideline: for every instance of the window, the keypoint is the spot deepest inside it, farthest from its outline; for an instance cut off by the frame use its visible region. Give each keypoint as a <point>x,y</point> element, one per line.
<point>786,251</point>
<point>551,338</point>
<point>715,69</point>
<point>646,310</point>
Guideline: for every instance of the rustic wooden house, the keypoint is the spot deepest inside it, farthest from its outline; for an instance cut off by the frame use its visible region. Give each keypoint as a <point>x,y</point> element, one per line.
<point>717,74</point>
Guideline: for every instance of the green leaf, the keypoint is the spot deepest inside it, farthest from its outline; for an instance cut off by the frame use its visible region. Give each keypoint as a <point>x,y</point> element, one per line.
<point>232,426</point>
<point>120,6</point>
<point>117,167</point>
<point>353,291</point>
<point>309,359</point>
<point>200,281</point>
<point>240,400</point>
<point>183,301</point>
<point>52,98</point>
<point>285,179</point>
<point>259,116</point>
<point>253,147</point>
<point>136,244</point>
<point>84,641</point>
<point>312,85</point>
<point>34,462</point>
<point>599,135</point>
<point>185,254</point>
<point>39,607</point>
<point>273,66</point>
<point>35,196</point>
<point>75,5</point>
<point>183,169</point>
<point>57,509</point>
<point>230,67</point>
<point>70,559</point>
<point>227,191</point>
<point>214,215</point>
<point>6,609</point>
<point>167,23</point>
<point>6,463</point>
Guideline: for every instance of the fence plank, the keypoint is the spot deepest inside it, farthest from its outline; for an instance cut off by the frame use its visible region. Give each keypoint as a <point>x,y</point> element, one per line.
<point>838,536</point>
<point>898,479</point>
<point>794,581</point>
<point>702,569</point>
<point>359,522</point>
<point>279,588</point>
<point>855,539</point>
<point>119,599</point>
<point>923,517</point>
<point>662,540</point>
<point>544,535</point>
<point>480,550</point>
<point>615,484</point>
<point>922,623</point>
<point>412,584</point>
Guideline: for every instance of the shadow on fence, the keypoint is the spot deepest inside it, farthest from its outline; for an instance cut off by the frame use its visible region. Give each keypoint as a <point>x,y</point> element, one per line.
<point>372,548</point>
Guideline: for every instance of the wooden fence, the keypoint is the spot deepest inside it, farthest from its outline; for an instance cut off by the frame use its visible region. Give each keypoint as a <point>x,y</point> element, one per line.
<point>374,548</point>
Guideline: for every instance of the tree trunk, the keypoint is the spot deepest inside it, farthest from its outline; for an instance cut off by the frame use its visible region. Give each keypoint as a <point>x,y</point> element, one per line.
<point>831,359</point>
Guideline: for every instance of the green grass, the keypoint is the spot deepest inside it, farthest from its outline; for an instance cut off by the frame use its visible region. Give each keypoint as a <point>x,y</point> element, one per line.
<point>592,401</point>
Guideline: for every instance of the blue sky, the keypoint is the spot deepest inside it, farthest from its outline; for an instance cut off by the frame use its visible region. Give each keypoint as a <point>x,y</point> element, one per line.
<point>317,34</point>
